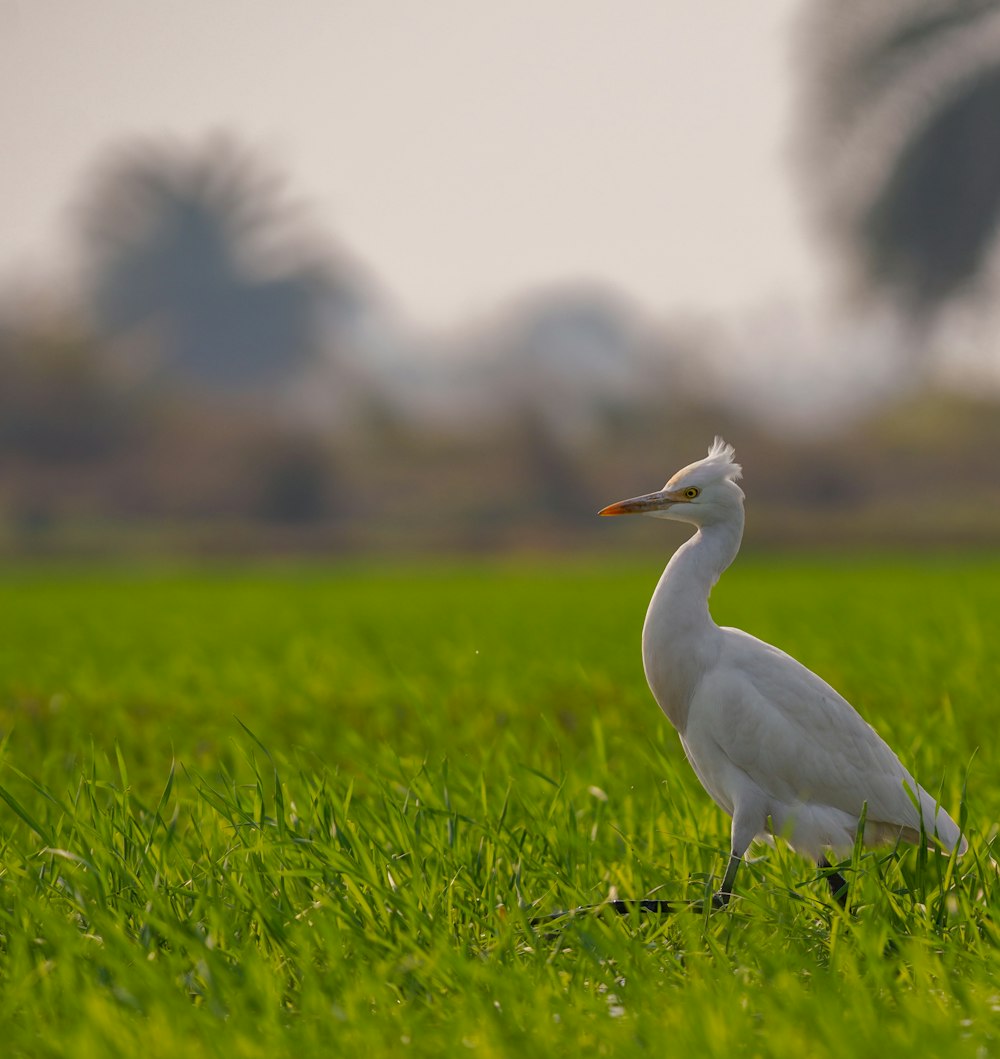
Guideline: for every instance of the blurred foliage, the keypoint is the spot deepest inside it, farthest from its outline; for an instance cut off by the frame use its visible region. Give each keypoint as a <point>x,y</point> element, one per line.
<point>899,134</point>
<point>231,386</point>
<point>90,464</point>
<point>195,254</point>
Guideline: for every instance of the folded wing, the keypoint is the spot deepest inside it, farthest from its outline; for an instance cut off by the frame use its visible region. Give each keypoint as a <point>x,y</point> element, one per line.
<point>804,753</point>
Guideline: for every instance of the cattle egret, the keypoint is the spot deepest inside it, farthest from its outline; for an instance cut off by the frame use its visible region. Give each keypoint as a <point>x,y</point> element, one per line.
<point>774,745</point>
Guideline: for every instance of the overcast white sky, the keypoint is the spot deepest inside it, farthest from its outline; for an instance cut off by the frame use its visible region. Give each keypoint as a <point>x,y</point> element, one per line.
<point>461,150</point>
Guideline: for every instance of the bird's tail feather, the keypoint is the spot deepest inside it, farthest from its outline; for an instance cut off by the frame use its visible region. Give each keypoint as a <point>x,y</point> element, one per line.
<point>938,824</point>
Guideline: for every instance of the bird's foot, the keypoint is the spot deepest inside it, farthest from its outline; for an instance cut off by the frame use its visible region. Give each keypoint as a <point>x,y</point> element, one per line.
<point>721,898</point>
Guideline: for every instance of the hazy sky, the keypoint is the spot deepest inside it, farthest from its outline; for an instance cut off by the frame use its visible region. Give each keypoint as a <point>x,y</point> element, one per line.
<point>462,151</point>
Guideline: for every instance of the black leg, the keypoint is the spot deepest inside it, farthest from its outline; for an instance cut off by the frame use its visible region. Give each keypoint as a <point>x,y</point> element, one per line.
<point>837,883</point>
<point>663,908</point>
<point>623,908</point>
<point>719,900</point>
<point>721,897</point>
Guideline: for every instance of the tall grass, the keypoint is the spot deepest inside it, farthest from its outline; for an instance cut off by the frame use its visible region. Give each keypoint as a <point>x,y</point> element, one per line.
<point>320,812</point>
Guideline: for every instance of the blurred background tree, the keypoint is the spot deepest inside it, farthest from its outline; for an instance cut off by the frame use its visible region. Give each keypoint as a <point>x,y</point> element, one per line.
<point>231,382</point>
<point>194,251</point>
<point>902,141</point>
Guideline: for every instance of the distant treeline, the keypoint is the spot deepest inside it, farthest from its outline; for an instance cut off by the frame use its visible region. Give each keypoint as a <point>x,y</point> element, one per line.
<point>91,464</point>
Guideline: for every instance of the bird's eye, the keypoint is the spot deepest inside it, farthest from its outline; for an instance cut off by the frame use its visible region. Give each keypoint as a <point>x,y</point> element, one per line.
<point>691,492</point>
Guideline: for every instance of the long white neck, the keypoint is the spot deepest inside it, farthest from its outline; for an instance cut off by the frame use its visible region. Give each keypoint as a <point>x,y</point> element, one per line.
<point>695,567</point>
<point>679,630</point>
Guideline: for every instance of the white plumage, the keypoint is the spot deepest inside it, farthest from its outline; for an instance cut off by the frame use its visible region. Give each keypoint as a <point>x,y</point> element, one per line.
<point>773,744</point>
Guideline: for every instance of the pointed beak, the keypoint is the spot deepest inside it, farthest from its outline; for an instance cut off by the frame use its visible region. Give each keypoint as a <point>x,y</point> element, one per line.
<point>642,505</point>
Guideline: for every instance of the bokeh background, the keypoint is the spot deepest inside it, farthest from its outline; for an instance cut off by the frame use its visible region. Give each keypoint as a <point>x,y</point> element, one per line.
<point>368,278</point>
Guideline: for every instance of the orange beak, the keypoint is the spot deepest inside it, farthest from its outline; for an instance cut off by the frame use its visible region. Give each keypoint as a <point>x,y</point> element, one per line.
<point>641,505</point>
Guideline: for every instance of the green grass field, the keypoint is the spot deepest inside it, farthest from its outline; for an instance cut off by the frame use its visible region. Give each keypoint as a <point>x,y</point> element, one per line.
<point>314,812</point>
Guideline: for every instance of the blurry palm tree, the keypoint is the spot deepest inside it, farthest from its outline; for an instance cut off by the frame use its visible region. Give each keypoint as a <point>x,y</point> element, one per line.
<point>902,140</point>
<point>195,250</point>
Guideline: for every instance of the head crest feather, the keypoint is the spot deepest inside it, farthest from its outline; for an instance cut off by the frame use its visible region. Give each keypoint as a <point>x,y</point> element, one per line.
<point>721,454</point>
<point>718,464</point>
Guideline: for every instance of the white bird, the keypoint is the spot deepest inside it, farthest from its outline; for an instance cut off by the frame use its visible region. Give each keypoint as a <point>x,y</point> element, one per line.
<point>773,744</point>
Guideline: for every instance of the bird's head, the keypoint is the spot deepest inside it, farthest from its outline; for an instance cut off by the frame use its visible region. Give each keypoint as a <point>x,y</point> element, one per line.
<point>701,493</point>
